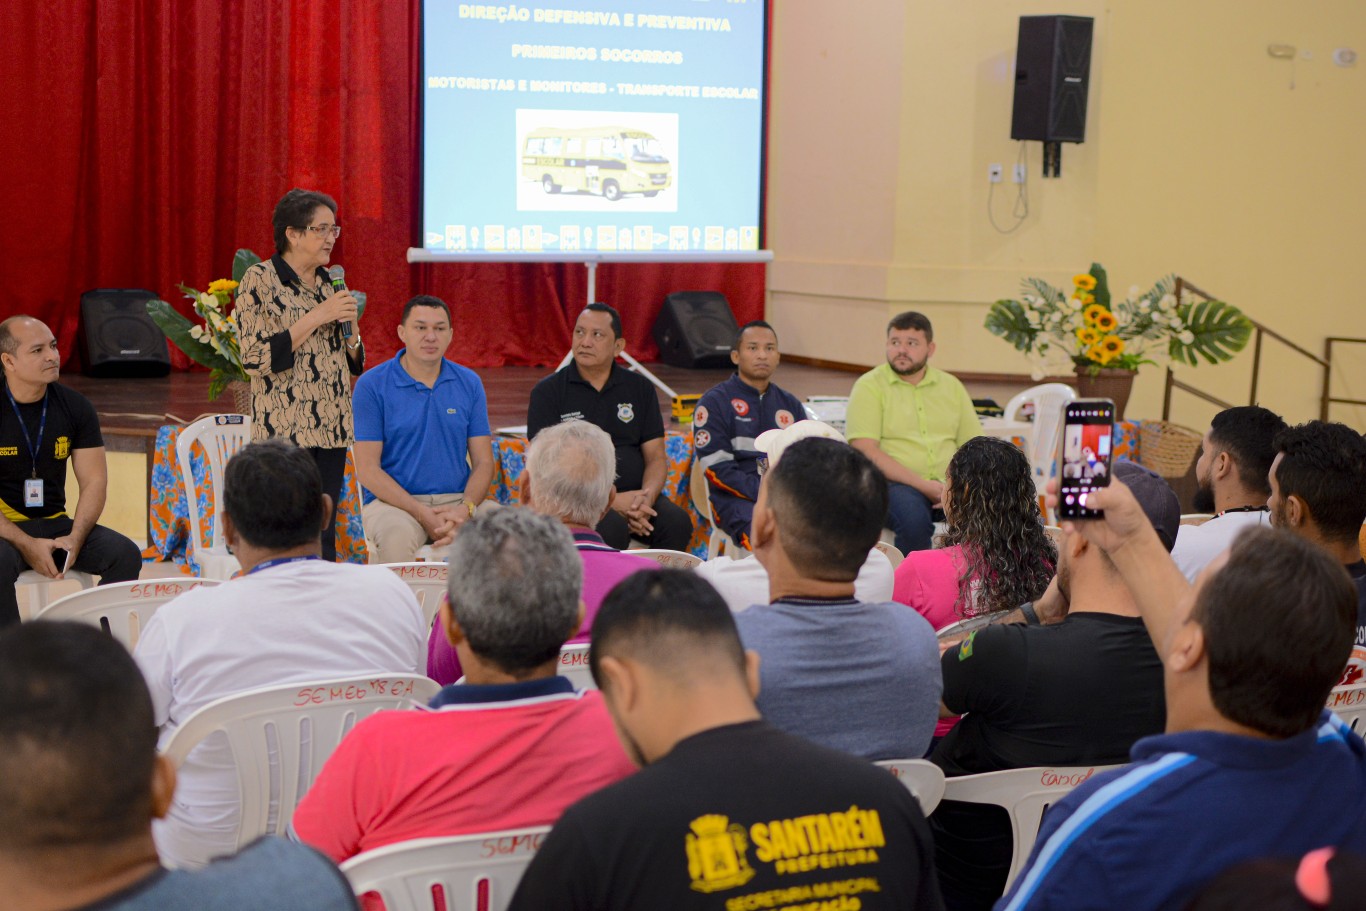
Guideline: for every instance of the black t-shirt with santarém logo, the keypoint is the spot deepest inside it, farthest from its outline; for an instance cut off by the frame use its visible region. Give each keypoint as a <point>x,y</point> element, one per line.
<point>71,424</point>
<point>737,818</point>
<point>626,408</point>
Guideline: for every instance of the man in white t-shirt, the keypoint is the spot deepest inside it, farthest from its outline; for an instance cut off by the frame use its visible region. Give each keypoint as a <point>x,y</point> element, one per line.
<point>1235,456</point>
<point>745,582</point>
<point>289,618</point>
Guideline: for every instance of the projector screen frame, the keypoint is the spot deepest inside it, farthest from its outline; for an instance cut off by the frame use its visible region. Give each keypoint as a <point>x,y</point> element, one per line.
<point>420,254</point>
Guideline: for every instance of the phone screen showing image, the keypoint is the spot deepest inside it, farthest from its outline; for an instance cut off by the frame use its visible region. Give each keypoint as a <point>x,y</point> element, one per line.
<point>1088,433</point>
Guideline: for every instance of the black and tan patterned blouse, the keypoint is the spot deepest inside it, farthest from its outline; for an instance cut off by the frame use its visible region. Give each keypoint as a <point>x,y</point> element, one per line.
<point>301,395</point>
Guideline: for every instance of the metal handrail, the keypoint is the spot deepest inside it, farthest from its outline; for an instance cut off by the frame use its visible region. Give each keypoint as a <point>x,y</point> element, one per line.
<point>1259,331</point>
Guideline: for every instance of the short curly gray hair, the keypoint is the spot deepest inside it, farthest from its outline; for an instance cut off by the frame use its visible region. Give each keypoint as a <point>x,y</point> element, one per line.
<point>572,467</point>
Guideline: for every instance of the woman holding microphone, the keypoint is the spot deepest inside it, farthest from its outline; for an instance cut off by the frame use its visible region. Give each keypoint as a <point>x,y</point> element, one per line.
<point>300,343</point>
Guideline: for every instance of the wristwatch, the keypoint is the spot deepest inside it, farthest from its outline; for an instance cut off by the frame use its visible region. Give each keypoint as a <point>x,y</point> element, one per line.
<point>470,507</point>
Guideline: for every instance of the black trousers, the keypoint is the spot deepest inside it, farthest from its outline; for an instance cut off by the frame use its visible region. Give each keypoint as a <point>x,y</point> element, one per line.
<point>105,553</point>
<point>332,466</point>
<point>672,527</point>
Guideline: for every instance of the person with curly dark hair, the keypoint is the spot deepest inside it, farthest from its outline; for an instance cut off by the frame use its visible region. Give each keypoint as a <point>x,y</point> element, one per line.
<point>995,554</point>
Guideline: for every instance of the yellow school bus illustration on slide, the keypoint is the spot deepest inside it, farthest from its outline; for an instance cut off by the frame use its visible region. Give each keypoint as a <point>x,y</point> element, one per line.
<point>610,161</point>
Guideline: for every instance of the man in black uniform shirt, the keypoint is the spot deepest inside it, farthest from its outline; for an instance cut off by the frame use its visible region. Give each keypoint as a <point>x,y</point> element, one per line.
<point>728,811</point>
<point>594,388</point>
<point>42,425</point>
<point>1077,692</point>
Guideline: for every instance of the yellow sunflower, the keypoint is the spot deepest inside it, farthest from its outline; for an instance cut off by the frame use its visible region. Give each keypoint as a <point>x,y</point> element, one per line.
<point>1098,354</point>
<point>222,285</point>
<point>1085,281</point>
<point>1112,345</point>
<point>1088,335</point>
<point>1106,321</point>
<point>1091,316</point>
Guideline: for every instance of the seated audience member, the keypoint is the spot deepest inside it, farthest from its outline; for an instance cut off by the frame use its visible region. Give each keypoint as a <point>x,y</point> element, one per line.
<point>1322,880</point>
<point>1235,457</point>
<point>851,675</point>
<point>995,554</point>
<point>513,745</point>
<point>745,581</point>
<point>1318,491</point>
<point>1078,692</point>
<point>418,415</point>
<point>1251,764</point>
<point>568,476</point>
<point>909,418</point>
<point>81,782</point>
<point>728,811</point>
<point>291,617</point>
<point>594,388</point>
<point>730,416</point>
<point>43,427</point>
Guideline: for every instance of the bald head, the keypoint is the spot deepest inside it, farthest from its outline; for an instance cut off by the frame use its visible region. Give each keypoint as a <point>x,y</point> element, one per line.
<point>29,355</point>
<point>15,330</point>
<point>572,467</point>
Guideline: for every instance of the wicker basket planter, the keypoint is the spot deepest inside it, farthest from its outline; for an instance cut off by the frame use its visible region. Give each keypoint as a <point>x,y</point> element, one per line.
<point>1167,448</point>
<point>241,396</point>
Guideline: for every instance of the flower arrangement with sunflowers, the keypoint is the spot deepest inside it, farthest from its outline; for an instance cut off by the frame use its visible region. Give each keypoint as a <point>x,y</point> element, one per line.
<point>1086,331</point>
<point>215,343</point>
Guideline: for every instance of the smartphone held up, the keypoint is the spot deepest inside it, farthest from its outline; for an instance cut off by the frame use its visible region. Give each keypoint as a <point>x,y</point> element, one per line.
<point>1084,454</point>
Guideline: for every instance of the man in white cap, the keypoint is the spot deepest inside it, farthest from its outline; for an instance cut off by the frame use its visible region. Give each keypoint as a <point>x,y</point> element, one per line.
<point>745,582</point>
<point>857,676</point>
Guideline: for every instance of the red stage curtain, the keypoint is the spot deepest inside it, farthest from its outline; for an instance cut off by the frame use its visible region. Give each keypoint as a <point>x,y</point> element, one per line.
<point>145,140</point>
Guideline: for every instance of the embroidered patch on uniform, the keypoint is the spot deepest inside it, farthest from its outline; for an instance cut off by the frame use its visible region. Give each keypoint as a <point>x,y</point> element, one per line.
<point>62,448</point>
<point>626,412</point>
<point>450,411</point>
<point>783,418</point>
<point>701,439</point>
<point>716,849</point>
<point>741,406</point>
<point>965,649</point>
<point>699,416</point>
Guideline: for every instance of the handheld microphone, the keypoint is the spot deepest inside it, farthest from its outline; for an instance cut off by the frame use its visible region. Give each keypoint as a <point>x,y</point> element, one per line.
<point>338,276</point>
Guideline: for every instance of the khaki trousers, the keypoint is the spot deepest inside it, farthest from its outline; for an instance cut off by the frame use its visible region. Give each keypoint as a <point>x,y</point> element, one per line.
<point>393,536</point>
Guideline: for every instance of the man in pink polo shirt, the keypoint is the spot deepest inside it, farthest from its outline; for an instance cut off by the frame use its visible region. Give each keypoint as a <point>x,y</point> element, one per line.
<point>509,748</point>
<point>569,472</point>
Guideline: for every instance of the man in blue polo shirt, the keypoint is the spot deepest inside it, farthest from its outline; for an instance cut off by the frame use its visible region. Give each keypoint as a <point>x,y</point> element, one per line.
<point>1251,764</point>
<point>417,416</point>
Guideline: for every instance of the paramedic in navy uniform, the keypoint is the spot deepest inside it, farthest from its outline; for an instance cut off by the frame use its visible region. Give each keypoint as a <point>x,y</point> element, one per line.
<point>42,426</point>
<point>594,388</point>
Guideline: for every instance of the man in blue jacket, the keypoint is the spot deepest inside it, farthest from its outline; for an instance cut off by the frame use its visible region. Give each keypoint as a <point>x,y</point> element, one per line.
<point>1251,765</point>
<point>730,416</point>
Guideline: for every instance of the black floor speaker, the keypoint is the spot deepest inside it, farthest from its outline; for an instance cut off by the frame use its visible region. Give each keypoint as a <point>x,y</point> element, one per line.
<point>695,329</point>
<point>118,338</point>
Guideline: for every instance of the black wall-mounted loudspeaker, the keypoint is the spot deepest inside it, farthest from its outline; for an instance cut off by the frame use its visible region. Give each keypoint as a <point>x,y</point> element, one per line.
<point>118,338</point>
<point>1052,73</point>
<point>695,329</point>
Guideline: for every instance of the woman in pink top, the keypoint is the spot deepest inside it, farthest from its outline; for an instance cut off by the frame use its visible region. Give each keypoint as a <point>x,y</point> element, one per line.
<point>995,554</point>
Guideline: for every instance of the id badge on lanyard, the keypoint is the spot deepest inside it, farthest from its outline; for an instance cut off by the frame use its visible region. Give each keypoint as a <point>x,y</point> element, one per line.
<point>33,486</point>
<point>33,492</point>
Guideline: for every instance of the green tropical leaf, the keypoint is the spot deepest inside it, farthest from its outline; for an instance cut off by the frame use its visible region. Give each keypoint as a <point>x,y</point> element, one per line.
<point>243,260</point>
<point>1007,319</point>
<point>1221,331</point>
<point>1044,290</point>
<point>177,330</point>
<point>1102,290</point>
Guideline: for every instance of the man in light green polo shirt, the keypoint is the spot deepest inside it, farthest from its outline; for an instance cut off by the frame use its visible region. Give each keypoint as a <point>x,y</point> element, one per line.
<point>910,419</point>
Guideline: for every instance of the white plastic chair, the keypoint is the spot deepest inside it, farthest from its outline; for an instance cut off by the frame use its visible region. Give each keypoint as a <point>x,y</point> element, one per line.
<point>574,665</point>
<point>221,436</point>
<point>669,559</point>
<point>719,542</point>
<point>890,551</point>
<point>121,609</point>
<point>1349,704</point>
<point>922,778</point>
<point>280,736</point>
<point>39,586</point>
<point>1042,447</point>
<point>428,582</point>
<point>1025,794</point>
<point>466,871</point>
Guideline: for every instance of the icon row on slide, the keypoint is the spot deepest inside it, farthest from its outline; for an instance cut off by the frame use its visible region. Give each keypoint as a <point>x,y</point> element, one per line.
<point>535,238</point>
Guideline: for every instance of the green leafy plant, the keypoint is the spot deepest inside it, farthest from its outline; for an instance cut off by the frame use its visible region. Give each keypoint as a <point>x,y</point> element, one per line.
<point>1086,330</point>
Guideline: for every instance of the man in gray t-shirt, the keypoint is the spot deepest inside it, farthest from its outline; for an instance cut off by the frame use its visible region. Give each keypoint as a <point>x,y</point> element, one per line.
<point>80,781</point>
<point>855,676</point>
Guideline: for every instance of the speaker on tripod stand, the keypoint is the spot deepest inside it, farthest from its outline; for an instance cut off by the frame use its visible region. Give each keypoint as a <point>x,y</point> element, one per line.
<point>695,329</point>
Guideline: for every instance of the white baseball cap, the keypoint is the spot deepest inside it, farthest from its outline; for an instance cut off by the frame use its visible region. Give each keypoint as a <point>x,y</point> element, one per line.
<point>773,442</point>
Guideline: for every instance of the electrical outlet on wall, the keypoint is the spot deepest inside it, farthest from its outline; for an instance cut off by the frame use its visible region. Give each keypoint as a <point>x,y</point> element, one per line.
<point>1018,175</point>
<point>994,173</point>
